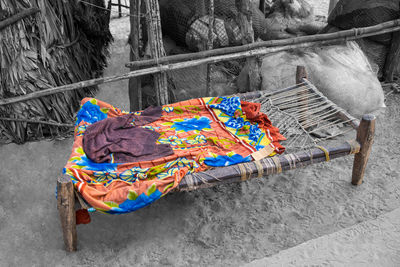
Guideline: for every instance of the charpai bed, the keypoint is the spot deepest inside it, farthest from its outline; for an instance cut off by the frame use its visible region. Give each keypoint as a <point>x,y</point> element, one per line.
<point>200,143</point>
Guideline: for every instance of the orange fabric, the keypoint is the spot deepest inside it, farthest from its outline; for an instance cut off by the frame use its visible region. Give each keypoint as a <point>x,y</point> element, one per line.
<point>120,188</point>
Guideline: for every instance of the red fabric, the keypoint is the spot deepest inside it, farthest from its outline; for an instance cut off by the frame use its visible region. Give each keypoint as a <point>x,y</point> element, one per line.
<point>82,216</point>
<point>253,114</point>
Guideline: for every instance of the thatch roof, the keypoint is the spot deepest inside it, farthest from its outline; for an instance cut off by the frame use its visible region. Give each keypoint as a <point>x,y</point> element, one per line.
<point>65,42</point>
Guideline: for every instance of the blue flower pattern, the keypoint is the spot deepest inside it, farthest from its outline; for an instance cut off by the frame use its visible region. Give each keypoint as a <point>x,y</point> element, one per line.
<point>141,201</point>
<point>88,164</point>
<point>228,105</point>
<point>90,113</point>
<point>255,133</point>
<point>237,123</point>
<point>222,161</point>
<point>192,124</point>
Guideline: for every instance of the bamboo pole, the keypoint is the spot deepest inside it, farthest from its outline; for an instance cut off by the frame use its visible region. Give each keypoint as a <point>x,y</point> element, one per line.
<point>393,58</point>
<point>245,23</point>
<point>17,17</point>
<point>365,136</point>
<point>66,209</point>
<point>122,5</point>
<point>186,64</point>
<point>262,6</point>
<point>135,84</point>
<point>210,43</point>
<point>340,35</point>
<point>119,9</point>
<point>38,122</point>
<point>156,45</point>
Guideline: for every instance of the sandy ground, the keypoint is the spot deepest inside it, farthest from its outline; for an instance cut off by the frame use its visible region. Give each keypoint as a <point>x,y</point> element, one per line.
<point>372,243</point>
<point>226,225</point>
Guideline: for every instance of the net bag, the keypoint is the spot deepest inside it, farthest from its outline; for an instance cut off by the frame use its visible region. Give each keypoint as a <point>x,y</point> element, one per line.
<point>363,13</point>
<point>178,17</point>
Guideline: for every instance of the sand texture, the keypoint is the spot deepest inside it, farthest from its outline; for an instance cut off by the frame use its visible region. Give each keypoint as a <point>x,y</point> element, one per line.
<point>372,243</point>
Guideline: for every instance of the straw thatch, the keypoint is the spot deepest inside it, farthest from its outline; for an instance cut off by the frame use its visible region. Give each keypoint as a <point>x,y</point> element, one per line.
<point>65,42</point>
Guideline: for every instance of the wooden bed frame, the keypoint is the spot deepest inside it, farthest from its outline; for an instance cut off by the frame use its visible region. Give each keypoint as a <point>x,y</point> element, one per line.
<point>361,147</point>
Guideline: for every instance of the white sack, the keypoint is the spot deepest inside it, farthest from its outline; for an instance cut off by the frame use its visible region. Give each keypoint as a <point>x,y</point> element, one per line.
<point>340,72</point>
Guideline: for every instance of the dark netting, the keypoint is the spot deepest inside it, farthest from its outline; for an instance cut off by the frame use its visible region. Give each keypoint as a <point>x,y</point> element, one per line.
<point>186,23</point>
<point>364,13</point>
<point>376,53</point>
<point>177,16</point>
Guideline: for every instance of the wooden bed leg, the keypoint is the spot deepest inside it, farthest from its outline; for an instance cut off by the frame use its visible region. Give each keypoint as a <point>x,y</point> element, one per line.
<point>301,73</point>
<point>66,209</point>
<point>365,136</point>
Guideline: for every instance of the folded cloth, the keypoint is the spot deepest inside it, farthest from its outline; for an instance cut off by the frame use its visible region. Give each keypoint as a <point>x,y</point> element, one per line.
<point>121,140</point>
<point>253,113</point>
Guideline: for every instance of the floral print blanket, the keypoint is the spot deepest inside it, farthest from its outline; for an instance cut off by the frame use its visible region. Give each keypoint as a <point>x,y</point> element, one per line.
<point>203,133</point>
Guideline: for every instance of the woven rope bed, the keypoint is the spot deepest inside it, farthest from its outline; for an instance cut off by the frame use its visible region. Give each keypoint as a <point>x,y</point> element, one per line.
<point>304,116</point>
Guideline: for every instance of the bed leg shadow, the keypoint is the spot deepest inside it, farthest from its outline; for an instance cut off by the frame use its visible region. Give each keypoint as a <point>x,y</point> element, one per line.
<point>66,209</point>
<point>365,137</point>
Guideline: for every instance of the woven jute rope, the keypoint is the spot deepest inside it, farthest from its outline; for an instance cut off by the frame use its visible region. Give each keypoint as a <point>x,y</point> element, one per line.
<point>260,168</point>
<point>327,157</point>
<point>354,145</point>
<point>277,162</point>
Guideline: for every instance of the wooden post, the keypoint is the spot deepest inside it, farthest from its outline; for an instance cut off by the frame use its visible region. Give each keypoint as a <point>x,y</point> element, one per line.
<point>365,136</point>
<point>262,6</point>
<point>246,28</point>
<point>135,84</point>
<point>393,58</point>
<point>156,45</point>
<point>301,73</point>
<point>66,209</point>
<point>119,9</point>
<point>17,17</point>
<point>210,43</point>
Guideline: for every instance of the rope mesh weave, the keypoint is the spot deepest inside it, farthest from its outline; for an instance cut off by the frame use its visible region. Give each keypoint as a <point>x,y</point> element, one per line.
<point>303,115</point>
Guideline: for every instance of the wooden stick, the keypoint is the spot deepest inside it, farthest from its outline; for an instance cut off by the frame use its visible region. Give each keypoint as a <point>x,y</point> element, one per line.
<point>156,45</point>
<point>122,5</point>
<point>245,23</point>
<point>393,58</point>
<point>264,167</point>
<point>135,84</point>
<point>210,43</point>
<point>119,9</point>
<point>340,35</point>
<point>301,73</point>
<point>262,6</point>
<point>179,65</point>
<point>38,122</point>
<point>17,17</point>
<point>66,209</point>
<point>365,136</point>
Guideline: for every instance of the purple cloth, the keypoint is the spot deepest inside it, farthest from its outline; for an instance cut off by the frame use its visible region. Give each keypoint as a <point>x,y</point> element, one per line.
<point>117,138</point>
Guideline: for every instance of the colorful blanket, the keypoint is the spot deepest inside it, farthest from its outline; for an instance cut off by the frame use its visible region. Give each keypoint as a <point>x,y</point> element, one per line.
<point>203,133</point>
